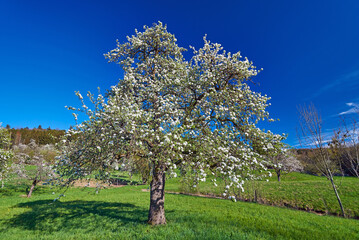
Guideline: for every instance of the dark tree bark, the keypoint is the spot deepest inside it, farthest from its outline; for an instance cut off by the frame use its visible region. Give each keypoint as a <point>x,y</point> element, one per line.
<point>32,188</point>
<point>156,215</point>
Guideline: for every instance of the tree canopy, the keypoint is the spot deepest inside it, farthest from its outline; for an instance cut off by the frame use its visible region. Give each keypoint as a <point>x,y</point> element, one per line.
<point>196,117</point>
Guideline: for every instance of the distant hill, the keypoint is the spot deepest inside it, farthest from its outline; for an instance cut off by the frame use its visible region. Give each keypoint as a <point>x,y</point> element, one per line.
<point>41,136</point>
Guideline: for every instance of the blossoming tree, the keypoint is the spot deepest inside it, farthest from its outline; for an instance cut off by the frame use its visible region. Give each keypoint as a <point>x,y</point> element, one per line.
<point>37,156</point>
<point>282,159</point>
<point>196,117</point>
<point>5,154</point>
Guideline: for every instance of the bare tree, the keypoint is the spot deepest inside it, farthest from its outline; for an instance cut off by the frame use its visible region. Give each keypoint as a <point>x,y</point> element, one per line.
<point>311,136</point>
<point>347,138</point>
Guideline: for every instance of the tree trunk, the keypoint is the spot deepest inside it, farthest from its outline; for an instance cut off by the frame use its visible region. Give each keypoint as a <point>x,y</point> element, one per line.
<point>336,192</point>
<point>278,175</point>
<point>32,188</point>
<point>2,184</point>
<point>156,215</point>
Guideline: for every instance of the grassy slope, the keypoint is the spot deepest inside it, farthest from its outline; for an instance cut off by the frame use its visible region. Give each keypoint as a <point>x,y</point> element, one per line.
<point>121,213</point>
<point>296,190</point>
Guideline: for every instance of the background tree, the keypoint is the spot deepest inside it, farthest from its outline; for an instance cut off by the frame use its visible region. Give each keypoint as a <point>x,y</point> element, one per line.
<point>311,136</point>
<point>5,154</point>
<point>199,116</point>
<point>347,143</point>
<point>33,162</point>
<point>284,160</point>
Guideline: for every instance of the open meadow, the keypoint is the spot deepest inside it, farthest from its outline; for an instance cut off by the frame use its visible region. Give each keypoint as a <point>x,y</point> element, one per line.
<point>121,213</point>
<point>296,190</point>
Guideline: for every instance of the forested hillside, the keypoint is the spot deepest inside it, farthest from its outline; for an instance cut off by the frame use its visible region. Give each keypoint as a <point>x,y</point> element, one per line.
<point>41,136</point>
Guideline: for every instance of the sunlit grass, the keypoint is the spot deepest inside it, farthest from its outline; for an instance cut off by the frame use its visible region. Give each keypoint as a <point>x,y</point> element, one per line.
<point>296,190</point>
<point>121,213</point>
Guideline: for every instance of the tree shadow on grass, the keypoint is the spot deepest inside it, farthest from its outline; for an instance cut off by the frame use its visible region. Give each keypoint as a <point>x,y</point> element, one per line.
<point>44,215</point>
<point>11,189</point>
<point>16,189</point>
<point>123,181</point>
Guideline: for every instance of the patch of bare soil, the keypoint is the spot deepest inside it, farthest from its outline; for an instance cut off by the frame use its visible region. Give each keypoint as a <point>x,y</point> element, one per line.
<point>189,194</point>
<point>93,184</point>
<point>196,194</point>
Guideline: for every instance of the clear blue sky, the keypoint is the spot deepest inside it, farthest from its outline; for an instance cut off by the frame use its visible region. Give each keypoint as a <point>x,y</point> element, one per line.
<point>309,51</point>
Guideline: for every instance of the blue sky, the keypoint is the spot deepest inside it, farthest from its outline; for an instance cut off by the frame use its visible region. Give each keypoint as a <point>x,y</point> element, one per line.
<point>49,49</point>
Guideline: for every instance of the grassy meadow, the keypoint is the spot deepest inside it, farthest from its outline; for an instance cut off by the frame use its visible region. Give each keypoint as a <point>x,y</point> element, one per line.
<point>121,213</point>
<point>296,190</point>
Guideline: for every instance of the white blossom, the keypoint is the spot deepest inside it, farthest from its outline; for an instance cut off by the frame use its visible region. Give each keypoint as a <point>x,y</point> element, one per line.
<point>198,115</point>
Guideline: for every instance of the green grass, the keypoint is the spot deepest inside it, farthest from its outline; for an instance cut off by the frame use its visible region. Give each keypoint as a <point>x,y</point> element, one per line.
<point>121,213</point>
<point>296,190</point>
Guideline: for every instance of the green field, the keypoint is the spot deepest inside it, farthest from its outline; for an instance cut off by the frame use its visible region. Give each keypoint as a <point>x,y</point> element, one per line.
<point>121,213</point>
<point>296,190</point>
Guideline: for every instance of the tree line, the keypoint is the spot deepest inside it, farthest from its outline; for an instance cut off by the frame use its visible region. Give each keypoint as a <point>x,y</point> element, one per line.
<point>340,163</point>
<point>41,136</point>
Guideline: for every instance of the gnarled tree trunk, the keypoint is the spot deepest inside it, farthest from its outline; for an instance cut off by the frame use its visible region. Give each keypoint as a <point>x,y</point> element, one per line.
<point>156,215</point>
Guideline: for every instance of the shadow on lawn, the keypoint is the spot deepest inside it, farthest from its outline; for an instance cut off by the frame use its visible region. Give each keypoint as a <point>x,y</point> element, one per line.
<point>84,215</point>
<point>122,181</point>
<point>17,189</point>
